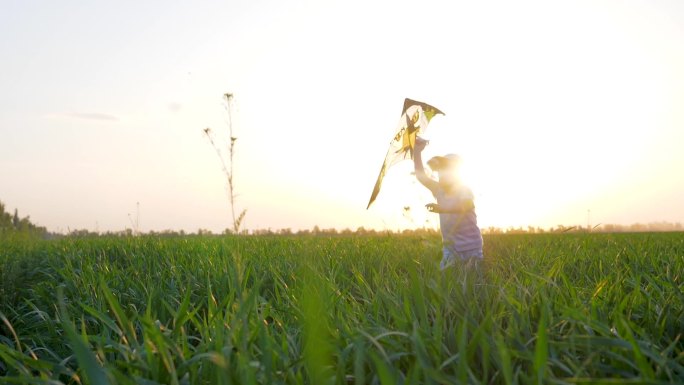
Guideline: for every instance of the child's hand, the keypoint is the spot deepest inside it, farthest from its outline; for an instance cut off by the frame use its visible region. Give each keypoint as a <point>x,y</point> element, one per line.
<point>420,144</point>
<point>432,207</point>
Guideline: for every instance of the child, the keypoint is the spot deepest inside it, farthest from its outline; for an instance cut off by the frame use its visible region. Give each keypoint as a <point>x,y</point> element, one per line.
<point>461,237</point>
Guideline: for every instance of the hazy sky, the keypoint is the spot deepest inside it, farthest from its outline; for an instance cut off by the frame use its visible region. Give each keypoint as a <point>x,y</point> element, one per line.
<point>564,111</point>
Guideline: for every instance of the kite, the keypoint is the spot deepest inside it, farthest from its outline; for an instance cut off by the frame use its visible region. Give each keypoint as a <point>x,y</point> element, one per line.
<point>415,117</point>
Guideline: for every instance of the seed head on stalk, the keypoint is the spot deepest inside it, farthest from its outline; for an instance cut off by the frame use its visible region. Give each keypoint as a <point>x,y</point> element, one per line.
<point>227,167</point>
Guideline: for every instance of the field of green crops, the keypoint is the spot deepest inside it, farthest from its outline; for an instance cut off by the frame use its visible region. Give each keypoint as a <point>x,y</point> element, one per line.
<point>542,309</point>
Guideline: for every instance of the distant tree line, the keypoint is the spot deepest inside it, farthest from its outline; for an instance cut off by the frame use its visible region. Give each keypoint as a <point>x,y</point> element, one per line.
<point>603,228</point>
<point>12,223</point>
<point>361,231</point>
<point>317,231</point>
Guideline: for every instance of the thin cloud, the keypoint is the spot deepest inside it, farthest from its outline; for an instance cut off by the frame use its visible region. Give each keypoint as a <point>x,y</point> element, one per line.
<point>174,107</point>
<point>93,116</point>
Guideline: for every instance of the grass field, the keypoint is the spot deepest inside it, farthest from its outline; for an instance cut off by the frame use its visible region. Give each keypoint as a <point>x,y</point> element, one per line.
<point>543,309</point>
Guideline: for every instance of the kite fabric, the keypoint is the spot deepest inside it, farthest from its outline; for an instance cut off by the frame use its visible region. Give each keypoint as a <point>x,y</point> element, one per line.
<point>415,117</point>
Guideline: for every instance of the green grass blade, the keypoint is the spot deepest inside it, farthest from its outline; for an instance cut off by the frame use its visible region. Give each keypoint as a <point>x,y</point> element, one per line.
<point>93,372</point>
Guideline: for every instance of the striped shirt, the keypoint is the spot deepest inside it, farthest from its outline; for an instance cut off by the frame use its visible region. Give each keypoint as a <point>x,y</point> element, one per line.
<point>459,230</point>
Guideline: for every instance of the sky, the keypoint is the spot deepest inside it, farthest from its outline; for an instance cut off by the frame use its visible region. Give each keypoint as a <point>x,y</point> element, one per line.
<point>564,112</point>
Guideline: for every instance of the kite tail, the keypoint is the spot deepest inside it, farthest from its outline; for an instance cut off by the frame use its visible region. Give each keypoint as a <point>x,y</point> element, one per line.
<point>376,188</point>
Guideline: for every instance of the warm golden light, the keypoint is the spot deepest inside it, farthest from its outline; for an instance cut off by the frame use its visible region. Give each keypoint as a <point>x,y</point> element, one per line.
<point>550,120</point>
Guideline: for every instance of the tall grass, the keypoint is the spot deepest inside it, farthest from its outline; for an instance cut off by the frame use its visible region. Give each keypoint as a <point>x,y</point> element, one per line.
<point>565,309</point>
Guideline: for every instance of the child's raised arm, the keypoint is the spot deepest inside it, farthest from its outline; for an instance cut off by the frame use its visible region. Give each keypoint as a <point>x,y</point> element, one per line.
<point>423,178</point>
